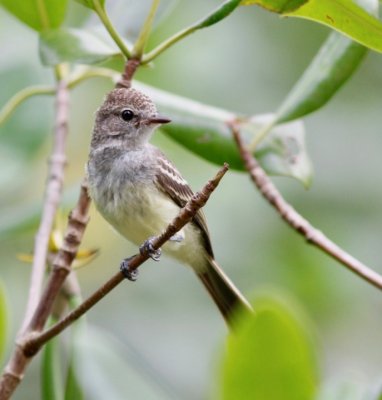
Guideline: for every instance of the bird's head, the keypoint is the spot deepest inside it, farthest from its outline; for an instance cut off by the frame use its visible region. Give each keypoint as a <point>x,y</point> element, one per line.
<point>127,116</point>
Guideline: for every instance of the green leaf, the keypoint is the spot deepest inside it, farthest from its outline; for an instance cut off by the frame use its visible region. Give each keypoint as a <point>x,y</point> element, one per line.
<point>345,16</point>
<point>74,45</point>
<point>40,15</point>
<point>283,152</point>
<point>108,369</point>
<point>333,65</point>
<point>90,3</point>
<point>269,356</point>
<point>203,130</point>
<point>349,389</point>
<point>51,382</point>
<point>3,321</point>
<point>73,389</point>
<point>220,13</point>
<point>23,218</point>
<point>279,6</point>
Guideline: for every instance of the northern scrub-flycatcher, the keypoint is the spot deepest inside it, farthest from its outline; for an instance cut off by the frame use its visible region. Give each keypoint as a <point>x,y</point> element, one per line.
<point>139,191</point>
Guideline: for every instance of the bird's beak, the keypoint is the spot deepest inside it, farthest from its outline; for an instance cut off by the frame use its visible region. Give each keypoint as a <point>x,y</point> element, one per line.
<point>159,119</point>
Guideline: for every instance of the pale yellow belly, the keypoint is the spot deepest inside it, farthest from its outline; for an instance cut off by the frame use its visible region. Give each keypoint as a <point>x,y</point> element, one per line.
<point>142,213</point>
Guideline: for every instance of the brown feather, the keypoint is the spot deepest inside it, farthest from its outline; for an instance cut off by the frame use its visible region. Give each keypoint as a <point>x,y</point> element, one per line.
<point>171,182</point>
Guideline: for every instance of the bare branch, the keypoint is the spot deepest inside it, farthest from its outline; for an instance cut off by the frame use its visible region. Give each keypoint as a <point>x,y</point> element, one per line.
<point>19,360</point>
<point>185,215</point>
<point>52,198</point>
<point>298,222</point>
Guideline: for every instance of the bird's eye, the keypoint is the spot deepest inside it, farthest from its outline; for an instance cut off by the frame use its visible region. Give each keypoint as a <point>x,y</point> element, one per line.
<point>127,115</point>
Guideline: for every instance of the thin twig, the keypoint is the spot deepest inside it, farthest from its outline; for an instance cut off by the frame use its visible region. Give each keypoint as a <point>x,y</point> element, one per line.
<point>19,360</point>
<point>78,220</point>
<point>52,198</point>
<point>185,215</point>
<point>298,222</point>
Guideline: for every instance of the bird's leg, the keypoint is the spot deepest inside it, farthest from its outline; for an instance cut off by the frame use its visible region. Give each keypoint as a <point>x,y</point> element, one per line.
<point>178,237</point>
<point>128,273</point>
<point>147,248</point>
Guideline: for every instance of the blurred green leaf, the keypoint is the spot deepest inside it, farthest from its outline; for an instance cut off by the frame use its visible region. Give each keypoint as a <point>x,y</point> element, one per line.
<point>203,130</point>
<point>3,321</point>
<point>106,370</point>
<point>129,15</point>
<point>345,16</point>
<point>283,152</point>
<point>74,45</point>
<point>13,166</point>
<point>90,3</point>
<point>73,389</point>
<point>39,15</point>
<point>269,357</point>
<point>333,65</point>
<point>22,218</point>
<point>51,381</point>
<point>345,390</point>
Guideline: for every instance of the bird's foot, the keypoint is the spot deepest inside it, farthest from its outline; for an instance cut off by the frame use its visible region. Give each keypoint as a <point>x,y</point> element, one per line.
<point>128,273</point>
<point>147,248</point>
<point>178,237</point>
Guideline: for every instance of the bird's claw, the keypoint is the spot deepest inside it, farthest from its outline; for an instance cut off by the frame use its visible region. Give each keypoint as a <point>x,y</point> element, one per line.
<point>128,273</point>
<point>147,248</point>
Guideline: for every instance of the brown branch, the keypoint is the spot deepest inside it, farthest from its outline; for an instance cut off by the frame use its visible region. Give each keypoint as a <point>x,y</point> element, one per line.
<point>19,360</point>
<point>130,67</point>
<point>185,215</point>
<point>52,198</point>
<point>298,222</point>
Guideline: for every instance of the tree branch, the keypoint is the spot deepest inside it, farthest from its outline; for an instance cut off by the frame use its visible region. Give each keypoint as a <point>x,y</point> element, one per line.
<point>185,215</point>
<point>19,360</point>
<point>298,222</point>
<point>52,198</point>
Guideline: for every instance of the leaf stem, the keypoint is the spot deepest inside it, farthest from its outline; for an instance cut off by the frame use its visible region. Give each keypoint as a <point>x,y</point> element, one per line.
<point>20,97</point>
<point>141,42</point>
<point>168,43</point>
<point>31,91</point>
<point>100,10</point>
<point>215,16</point>
<point>261,135</point>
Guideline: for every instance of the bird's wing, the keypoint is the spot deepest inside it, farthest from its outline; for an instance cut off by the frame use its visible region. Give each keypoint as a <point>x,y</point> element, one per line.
<point>171,182</point>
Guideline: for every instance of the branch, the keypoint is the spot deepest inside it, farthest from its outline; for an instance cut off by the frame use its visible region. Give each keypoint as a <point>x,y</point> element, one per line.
<point>185,215</point>
<point>52,198</point>
<point>298,222</point>
<point>19,360</point>
<point>130,67</point>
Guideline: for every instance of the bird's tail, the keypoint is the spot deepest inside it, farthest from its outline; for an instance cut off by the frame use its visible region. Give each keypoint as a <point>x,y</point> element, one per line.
<point>226,296</point>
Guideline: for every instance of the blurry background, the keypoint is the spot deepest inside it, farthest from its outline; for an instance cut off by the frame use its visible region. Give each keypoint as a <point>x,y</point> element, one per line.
<point>247,64</point>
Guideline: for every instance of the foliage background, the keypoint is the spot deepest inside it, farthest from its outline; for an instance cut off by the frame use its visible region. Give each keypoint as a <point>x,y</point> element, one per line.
<point>246,63</point>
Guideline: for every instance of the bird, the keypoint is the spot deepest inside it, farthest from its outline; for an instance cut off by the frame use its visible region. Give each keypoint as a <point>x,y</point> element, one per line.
<point>139,191</point>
